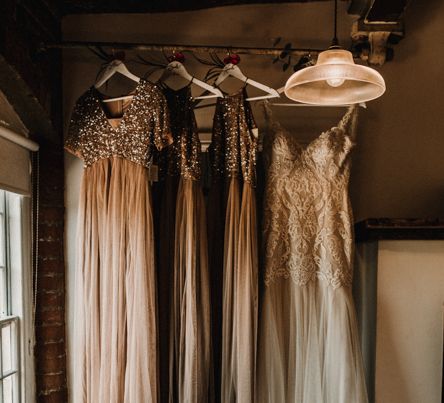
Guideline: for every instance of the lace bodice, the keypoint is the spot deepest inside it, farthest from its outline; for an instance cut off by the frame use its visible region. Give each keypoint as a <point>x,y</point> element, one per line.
<point>307,217</point>
<point>144,123</point>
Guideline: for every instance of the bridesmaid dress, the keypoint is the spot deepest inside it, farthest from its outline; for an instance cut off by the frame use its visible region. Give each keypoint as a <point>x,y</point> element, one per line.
<point>309,347</point>
<point>115,304</point>
<point>234,261</point>
<point>190,366</point>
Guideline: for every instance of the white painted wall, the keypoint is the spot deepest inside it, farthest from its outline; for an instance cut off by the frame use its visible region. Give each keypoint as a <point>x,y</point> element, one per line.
<point>409,336</point>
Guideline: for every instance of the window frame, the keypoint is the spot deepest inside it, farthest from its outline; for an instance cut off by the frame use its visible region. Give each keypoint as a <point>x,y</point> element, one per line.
<point>13,322</point>
<point>19,284</point>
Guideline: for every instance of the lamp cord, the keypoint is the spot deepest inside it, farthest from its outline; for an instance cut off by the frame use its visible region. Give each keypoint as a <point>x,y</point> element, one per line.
<point>335,41</point>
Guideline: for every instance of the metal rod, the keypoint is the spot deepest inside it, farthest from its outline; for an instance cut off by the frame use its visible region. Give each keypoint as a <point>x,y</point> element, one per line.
<point>294,104</point>
<point>175,47</point>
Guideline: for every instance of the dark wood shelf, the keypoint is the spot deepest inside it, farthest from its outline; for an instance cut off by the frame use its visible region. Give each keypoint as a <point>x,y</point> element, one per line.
<point>378,229</point>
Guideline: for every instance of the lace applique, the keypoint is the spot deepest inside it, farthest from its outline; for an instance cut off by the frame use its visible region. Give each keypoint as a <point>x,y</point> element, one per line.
<point>307,218</point>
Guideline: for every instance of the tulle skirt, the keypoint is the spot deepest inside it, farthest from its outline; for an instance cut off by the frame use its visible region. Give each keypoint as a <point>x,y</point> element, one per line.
<point>309,348</point>
<point>164,197</point>
<point>240,296</point>
<point>190,330</point>
<point>115,329</point>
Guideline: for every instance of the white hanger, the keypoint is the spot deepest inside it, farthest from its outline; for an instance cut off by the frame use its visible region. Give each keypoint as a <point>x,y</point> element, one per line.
<point>116,66</point>
<point>232,70</point>
<point>300,104</point>
<point>176,67</point>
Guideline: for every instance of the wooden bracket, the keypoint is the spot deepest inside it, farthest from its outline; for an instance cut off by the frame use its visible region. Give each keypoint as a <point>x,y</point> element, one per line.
<point>373,42</point>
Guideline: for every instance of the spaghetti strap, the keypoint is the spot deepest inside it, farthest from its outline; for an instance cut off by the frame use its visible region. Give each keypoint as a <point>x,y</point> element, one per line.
<point>267,109</point>
<point>348,122</point>
<point>270,123</point>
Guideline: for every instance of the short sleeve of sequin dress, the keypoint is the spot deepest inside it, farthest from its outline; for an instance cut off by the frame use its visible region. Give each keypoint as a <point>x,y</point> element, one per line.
<point>115,346</point>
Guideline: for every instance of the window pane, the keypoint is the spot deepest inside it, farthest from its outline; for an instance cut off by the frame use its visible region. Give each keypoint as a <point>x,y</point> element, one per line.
<point>3,293</point>
<point>3,270</point>
<point>10,390</point>
<point>7,390</point>
<point>8,348</point>
<point>2,237</point>
<point>10,235</point>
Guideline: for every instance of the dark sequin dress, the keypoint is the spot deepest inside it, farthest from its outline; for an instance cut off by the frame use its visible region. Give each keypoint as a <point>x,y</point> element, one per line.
<point>115,346</point>
<point>233,248</point>
<point>184,232</point>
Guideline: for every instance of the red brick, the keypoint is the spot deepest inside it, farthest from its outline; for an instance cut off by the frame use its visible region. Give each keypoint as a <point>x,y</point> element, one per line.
<point>53,196</point>
<point>52,381</point>
<point>50,308</point>
<point>53,249</point>
<point>52,181</point>
<point>51,266</point>
<point>48,317</point>
<point>58,396</point>
<point>48,232</point>
<point>53,349</point>
<point>50,282</point>
<point>51,214</point>
<point>49,333</point>
<point>47,364</point>
<point>45,299</point>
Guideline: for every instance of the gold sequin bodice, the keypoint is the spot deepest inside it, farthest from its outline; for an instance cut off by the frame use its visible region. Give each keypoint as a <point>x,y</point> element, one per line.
<point>144,124</point>
<point>183,157</point>
<point>233,147</point>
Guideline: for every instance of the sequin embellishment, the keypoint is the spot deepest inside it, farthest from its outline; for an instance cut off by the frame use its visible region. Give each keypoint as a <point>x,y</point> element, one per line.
<point>183,157</point>
<point>233,148</point>
<point>144,124</point>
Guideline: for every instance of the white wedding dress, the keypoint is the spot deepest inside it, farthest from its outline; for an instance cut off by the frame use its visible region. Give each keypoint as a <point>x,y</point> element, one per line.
<point>309,348</point>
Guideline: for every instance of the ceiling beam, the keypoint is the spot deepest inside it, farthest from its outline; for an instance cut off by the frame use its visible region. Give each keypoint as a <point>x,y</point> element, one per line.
<point>147,6</point>
<point>378,11</point>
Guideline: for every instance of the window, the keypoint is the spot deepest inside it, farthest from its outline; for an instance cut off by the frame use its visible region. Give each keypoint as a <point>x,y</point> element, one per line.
<point>15,301</point>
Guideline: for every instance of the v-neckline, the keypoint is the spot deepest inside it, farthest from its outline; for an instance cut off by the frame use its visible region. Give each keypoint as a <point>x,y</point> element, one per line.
<point>304,148</point>
<point>126,112</point>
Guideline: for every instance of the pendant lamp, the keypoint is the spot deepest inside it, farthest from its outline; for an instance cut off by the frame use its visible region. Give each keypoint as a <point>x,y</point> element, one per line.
<point>335,79</point>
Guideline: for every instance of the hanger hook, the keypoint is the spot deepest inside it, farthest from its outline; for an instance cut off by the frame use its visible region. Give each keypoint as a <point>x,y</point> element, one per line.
<point>117,55</point>
<point>177,56</point>
<point>233,59</point>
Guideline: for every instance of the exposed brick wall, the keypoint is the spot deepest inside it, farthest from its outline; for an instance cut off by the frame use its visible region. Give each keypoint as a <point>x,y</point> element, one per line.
<point>32,83</point>
<point>50,350</point>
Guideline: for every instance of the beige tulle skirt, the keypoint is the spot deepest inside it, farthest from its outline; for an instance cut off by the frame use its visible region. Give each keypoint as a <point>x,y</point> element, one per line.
<point>309,348</point>
<point>115,345</point>
<point>240,296</point>
<point>190,330</point>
